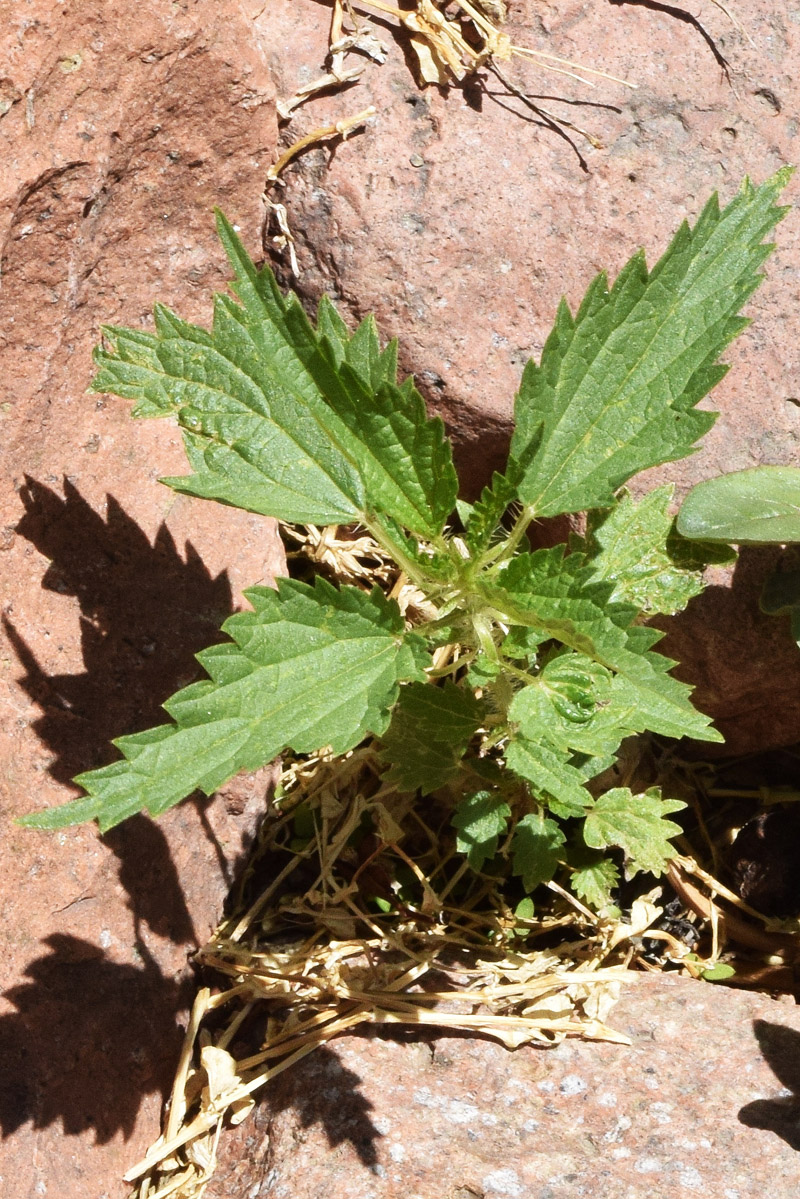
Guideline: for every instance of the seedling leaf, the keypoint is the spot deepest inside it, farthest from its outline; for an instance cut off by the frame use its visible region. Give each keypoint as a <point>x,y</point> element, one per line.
<point>480,819</point>
<point>637,824</point>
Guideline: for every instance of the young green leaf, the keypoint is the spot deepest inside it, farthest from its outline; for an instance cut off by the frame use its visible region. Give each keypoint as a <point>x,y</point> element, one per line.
<point>594,881</point>
<point>761,505</point>
<point>429,731</point>
<point>484,516</point>
<point>480,820</point>
<point>637,556</point>
<point>637,824</point>
<point>309,667</point>
<point>577,705</point>
<point>617,386</point>
<point>557,781</point>
<point>536,848</point>
<point>557,595</point>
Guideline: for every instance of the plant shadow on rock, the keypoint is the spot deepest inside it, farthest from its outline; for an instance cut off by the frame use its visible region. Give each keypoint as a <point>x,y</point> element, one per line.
<point>780,1047</point>
<point>92,1037</point>
<point>325,1092</point>
<point>681,14</point>
<point>742,663</point>
<point>144,614</point>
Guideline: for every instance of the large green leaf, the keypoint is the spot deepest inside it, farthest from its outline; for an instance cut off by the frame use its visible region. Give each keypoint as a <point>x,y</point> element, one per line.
<point>617,385</point>
<point>283,420</point>
<point>309,667</point>
<point>403,457</point>
<point>757,505</point>
<point>430,729</point>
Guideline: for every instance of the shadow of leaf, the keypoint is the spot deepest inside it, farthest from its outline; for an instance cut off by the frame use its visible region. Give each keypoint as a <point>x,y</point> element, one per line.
<point>89,1039</point>
<point>144,614</point>
<point>323,1091</point>
<point>780,1047</point>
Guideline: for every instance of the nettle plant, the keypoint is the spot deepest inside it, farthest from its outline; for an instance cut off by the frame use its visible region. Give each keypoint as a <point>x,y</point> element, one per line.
<point>506,689</point>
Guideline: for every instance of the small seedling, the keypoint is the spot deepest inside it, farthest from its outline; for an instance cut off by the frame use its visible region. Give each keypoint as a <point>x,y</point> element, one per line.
<point>505,687</point>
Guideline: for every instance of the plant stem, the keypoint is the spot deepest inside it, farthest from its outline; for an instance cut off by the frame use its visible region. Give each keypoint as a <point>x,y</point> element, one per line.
<point>506,549</point>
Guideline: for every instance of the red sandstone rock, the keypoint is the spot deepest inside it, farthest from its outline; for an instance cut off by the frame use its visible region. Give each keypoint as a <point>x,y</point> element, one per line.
<point>460,223</point>
<point>123,124</point>
<point>704,1102</point>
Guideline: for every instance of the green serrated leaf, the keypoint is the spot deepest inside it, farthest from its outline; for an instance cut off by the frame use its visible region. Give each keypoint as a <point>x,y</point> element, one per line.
<point>556,781</point>
<point>617,386</point>
<point>595,881</point>
<point>761,505</point>
<point>484,516</point>
<point>283,421</point>
<point>637,824</point>
<point>430,729</point>
<point>558,596</point>
<point>536,849</point>
<point>309,667</point>
<point>403,457</point>
<point>480,821</point>
<point>577,705</point>
<point>637,556</point>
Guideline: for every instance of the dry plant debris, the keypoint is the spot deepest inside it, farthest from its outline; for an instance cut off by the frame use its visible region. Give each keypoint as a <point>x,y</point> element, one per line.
<point>451,40</point>
<point>356,911</point>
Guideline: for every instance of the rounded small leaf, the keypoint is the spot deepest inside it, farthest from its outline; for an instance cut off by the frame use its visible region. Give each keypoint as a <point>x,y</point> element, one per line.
<point>757,505</point>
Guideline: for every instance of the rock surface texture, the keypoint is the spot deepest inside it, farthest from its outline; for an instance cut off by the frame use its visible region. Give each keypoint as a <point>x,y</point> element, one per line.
<point>122,125</point>
<point>691,1108</point>
<point>460,222</point>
